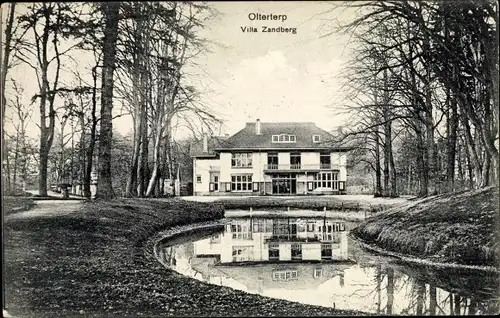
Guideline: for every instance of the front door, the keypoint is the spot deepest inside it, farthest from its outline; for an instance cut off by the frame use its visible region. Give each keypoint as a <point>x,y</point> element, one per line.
<point>284,184</point>
<point>214,181</point>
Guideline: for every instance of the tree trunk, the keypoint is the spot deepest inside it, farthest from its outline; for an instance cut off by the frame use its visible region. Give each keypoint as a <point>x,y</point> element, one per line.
<point>138,89</point>
<point>104,181</point>
<point>420,297</point>
<point>390,290</point>
<point>422,170</point>
<point>379,289</point>
<point>394,184</point>
<point>5,57</point>
<point>156,162</point>
<point>143,155</point>
<point>144,140</point>
<point>472,307</point>
<point>81,152</point>
<point>457,301</point>
<point>16,159</point>
<point>485,178</point>
<point>472,155</point>
<point>87,179</point>
<point>378,168</point>
<point>132,177</point>
<point>431,145</point>
<point>432,301</point>
<point>44,145</point>
<point>387,136</point>
<point>452,127</point>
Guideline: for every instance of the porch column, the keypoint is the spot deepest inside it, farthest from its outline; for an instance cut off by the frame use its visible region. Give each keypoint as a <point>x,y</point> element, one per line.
<point>306,189</point>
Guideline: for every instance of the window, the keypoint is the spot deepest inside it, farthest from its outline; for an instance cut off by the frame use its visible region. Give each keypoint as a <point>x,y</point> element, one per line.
<point>241,160</point>
<point>339,227</point>
<point>316,138</point>
<point>240,231</point>
<point>295,160</point>
<point>310,227</point>
<point>318,272</point>
<point>242,253</point>
<point>326,251</point>
<point>198,178</point>
<point>241,182</point>
<point>326,180</point>
<point>325,161</point>
<point>297,251</point>
<point>283,138</point>
<point>215,239</point>
<point>285,275</point>
<point>269,226</point>
<point>274,251</point>
<point>280,228</point>
<point>272,160</point>
<point>258,226</point>
<point>301,227</point>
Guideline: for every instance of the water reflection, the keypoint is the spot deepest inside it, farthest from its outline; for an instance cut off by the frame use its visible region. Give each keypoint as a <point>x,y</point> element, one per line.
<point>310,261</point>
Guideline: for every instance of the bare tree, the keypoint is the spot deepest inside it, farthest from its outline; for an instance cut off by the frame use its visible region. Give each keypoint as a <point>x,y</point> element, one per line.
<point>104,181</point>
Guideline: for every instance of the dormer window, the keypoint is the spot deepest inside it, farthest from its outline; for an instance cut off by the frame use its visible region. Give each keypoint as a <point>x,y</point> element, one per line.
<point>316,138</point>
<point>284,138</point>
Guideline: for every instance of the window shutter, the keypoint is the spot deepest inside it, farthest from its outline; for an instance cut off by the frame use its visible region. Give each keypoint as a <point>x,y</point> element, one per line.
<point>255,186</point>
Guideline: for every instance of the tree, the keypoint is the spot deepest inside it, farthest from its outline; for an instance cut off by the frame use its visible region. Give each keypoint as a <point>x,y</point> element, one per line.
<point>9,48</point>
<point>104,179</point>
<point>157,42</point>
<point>49,23</point>
<point>20,119</point>
<point>442,68</point>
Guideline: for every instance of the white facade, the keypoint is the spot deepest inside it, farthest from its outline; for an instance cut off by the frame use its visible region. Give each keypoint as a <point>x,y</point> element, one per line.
<point>262,176</point>
<point>203,170</point>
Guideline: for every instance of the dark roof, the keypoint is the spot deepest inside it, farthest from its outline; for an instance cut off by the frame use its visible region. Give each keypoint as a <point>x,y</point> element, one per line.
<point>213,142</point>
<point>304,131</point>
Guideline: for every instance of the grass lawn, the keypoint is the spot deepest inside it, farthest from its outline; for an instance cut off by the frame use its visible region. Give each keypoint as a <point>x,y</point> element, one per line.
<point>451,228</point>
<point>97,261</point>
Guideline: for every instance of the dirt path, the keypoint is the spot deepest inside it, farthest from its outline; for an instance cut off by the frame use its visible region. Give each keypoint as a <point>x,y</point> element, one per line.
<point>47,208</point>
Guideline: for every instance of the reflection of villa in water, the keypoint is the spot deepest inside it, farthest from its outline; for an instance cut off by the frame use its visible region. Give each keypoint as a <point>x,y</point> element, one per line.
<point>281,258</point>
<point>278,239</point>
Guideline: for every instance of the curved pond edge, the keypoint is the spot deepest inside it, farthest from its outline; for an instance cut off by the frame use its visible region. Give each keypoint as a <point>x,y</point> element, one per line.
<point>421,261</point>
<point>177,231</point>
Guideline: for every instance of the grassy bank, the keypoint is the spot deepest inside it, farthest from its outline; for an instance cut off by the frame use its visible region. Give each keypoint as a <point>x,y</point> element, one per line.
<point>96,262</point>
<point>303,202</point>
<point>12,204</point>
<point>452,228</point>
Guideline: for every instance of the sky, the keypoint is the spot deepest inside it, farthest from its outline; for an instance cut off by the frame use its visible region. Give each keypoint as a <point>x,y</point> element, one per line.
<point>273,77</point>
<point>276,76</point>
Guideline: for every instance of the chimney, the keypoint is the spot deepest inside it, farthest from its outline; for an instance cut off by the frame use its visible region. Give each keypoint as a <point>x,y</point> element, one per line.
<point>205,143</point>
<point>257,127</point>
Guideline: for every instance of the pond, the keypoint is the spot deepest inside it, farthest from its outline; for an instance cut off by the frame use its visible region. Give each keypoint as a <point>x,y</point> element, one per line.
<point>312,260</point>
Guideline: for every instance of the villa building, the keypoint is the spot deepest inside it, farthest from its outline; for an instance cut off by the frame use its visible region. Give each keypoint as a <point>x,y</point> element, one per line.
<point>270,159</point>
